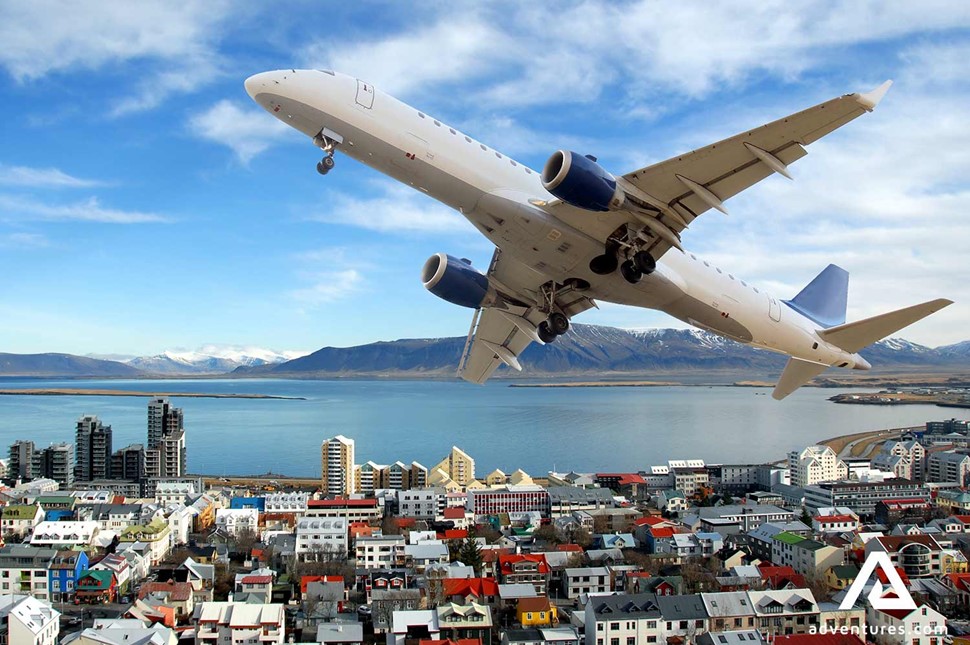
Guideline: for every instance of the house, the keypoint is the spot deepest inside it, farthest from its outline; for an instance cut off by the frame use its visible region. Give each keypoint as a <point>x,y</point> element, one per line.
<point>683,617</point>
<point>807,557</point>
<point>25,620</point>
<point>642,582</point>
<point>729,610</point>
<point>482,590</point>
<point>385,603</point>
<point>340,633</point>
<point>19,519</point>
<point>255,586</point>
<point>419,556</point>
<point>416,624</point>
<point>320,538</point>
<point>64,535</point>
<point>562,635</point>
<point>761,539</point>
<point>836,523</point>
<point>125,632</point>
<point>119,566</point>
<point>179,596</point>
<point>234,622</point>
<point>154,535</point>
<point>379,552</point>
<point>615,541</point>
<point>525,569</point>
<point>96,586</point>
<point>236,521</point>
<point>64,572</point>
<point>534,612</point>
<point>24,569</point>
<point>922,626</point>
<point>779,577</point>
<point>585,580</point>
<point>672,501</point>
<point>732,637</point>
<point>919,556</point>
<point>460,621</point>
<point>787,611</point>
<point>623,618</point>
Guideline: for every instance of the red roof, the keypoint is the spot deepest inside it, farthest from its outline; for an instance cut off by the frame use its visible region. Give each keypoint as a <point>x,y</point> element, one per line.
<point>778,577</point>
<point>448,641</point>
<point>570,548</point>
<point>834,518</point>
<point>884,579</point>
<point>622,478</point>
<point>456,513</point>
<point>963,518</point>
<point>492,555</point>
<point>506,562</point>
<point>342,503</point>
<point>257,580</point>
<point>662,532</point>
<point>405,522</point>
<point>454,534</point>
<point>177,591</point>
<point>539,603</point>
<point>651,520</point>
<point>914,501</point>
<point>306,580</point>
<point>478,587</point>
<point>819,639</point>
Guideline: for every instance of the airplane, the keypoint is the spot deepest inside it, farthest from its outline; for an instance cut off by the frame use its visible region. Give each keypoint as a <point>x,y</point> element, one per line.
<point>573,233</point>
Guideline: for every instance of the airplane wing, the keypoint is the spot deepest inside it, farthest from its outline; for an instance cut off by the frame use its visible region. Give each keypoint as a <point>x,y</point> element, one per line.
<point>501,331</point>
<point>668,196</point>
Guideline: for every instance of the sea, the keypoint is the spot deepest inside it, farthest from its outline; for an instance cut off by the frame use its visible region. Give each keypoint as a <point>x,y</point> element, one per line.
<point>585,429</point>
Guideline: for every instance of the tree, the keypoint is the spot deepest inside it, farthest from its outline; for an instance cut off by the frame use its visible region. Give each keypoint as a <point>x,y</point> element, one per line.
<point>581,536</point>
<point>389,526</point>
<point>470,554</point>
<point>550,534</point>
<point>805,518</point>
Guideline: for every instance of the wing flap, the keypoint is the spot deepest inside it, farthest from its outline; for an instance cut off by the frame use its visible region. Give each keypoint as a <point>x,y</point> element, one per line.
<point>796,374</point>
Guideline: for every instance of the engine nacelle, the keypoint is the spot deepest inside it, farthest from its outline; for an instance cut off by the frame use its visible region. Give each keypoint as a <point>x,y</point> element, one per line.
<point>454,280</point>
<point>582,182</point>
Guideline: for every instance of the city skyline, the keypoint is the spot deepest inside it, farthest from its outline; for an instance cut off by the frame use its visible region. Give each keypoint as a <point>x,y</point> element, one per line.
<point>136,170</point>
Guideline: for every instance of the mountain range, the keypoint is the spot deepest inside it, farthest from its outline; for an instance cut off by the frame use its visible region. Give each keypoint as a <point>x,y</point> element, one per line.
<point>587,350</point>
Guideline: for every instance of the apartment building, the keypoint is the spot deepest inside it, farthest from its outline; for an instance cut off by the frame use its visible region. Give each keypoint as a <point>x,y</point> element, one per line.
<point>815,464</point>
<point>337,466</point>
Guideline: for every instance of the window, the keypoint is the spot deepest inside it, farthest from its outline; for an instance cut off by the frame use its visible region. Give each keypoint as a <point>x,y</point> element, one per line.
<point>468,139</point>
<point>482,145</point>
<point>614,625</point>
<point>614,641</point>
<point>421,114</point>
<point>452,130</point>
<point>498,155</point>
<point>437,123</point>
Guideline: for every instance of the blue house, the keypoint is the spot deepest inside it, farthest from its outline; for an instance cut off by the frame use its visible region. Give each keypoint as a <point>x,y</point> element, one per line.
<point>259,503</point>
<point>64,572</point>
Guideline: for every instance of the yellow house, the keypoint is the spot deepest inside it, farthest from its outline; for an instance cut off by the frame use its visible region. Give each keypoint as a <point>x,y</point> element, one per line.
<point>953,561</point>
<point>154,534</point>
<point>841,576</point>
<point>536,612</point>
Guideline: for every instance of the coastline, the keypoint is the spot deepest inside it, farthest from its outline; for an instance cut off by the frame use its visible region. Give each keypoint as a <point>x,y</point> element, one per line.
<point>142,394</point>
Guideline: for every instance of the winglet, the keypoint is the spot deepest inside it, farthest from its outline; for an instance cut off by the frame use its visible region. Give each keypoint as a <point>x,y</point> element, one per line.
<point>869,100</point>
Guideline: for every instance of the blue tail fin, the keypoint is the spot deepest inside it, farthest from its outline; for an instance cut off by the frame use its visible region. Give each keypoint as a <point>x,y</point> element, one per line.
<point>824,299</point>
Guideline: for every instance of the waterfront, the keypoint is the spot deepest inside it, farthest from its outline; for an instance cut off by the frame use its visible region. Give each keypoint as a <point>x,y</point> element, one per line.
<point>536,429</point>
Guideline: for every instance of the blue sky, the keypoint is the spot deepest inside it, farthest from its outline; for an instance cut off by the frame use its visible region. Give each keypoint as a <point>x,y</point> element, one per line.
<point>147,204</point>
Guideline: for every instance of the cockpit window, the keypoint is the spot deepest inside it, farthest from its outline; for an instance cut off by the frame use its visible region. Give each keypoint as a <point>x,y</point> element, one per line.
<point>327,71</point>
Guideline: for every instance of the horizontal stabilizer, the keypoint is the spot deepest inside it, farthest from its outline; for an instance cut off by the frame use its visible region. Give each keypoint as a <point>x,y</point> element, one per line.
<point>796,374</point>
<point>824,299</point>
<point>856,335</point>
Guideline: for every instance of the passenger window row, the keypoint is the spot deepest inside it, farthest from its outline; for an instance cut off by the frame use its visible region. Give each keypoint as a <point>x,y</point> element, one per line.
<point>470,140</point>
<point>707,264</point>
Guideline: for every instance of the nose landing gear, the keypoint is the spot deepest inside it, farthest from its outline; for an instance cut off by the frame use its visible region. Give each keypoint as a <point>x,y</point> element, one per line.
<point>329,145</point>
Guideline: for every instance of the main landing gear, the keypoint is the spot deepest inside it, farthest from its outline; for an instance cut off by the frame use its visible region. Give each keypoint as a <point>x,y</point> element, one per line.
<point>557,322</point>
<point>641,263</point>
<point>555,325</point>
<point>329,146</point>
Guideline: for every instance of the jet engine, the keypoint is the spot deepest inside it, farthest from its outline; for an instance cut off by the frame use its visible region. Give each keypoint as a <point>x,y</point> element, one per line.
<point>582,182</point>
<point>454,280</point>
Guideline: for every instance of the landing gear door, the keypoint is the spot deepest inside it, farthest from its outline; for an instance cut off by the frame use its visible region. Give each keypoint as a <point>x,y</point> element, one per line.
<point>365,94</point>
<point>774,309</point>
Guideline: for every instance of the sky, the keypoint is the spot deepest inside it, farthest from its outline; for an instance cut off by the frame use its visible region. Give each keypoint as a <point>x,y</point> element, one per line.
<point>147,204</point>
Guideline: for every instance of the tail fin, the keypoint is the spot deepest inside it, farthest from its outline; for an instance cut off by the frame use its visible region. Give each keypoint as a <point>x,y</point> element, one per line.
<point>796,374</point>
<point>856,335</point>
<point>824,299</point>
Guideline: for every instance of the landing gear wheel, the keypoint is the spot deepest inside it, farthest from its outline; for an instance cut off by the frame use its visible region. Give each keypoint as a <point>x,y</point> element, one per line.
<point>645,262</point>
<point>631,272</point>
<point>325,165</point>
<point>545,335</point>
<point>558,323</point>
<point>603,264</point>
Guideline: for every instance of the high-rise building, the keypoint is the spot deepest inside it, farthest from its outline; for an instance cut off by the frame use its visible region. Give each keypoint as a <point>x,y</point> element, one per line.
<point>162,419</point>
<point>815,464</point>
<point>165,454</point>
<point>55,462</point>
<point>129,463</point>
<point>21,464</point>
<point>92,452</point>
<point>337,470</point>
<point>458,466</point>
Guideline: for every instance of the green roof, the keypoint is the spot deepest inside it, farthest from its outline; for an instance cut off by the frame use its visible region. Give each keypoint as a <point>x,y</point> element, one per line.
<point>789,538</point>
<point>19,512</point>
<point>811,545</point>
<point>845,571</point>
<point>102,576</point>
<point>56,499</point>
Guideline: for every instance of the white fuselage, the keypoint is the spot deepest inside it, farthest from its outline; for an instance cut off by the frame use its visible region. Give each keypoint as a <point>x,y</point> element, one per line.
<point>493,191</point>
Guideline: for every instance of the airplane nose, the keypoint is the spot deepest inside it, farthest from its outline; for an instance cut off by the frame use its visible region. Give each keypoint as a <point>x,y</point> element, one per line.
<point>255,83</point>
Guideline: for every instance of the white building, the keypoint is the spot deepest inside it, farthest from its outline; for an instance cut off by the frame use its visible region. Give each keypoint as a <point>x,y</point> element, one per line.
<point>321,538</point>
<point>623,619</point>
<point>28,621</point>
<point>180,519</point>
<point>815,464</point>
<point>295,503</point>
<point>64,534</point>
<point>174,492</point>
<point>19,519</point>
<point>907,459</point>
<point>236,622</point>
<point>24,570</point>
<point>921,626</point>
<point>585,580</point>
<point>379,552</point>
<point>425,504</point>
<point>234,521</point>
<point>337,466</point>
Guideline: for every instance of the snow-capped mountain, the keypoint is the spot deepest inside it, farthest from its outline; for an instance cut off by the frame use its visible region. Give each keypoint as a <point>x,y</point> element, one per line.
<point>211,359</point>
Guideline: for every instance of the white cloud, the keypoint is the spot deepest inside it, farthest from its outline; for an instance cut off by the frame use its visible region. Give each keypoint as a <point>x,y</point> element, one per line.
<point>396,209</point>
<point>177,40</point>
<point>329,275</point>
<point>246,131</point>
<point>89,210</point>
<point>23,241</point>
<point>41,178</point>
<point>328,287</point>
